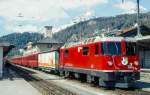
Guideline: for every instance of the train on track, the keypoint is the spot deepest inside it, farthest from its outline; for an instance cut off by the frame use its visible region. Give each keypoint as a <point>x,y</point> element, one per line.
<point>109,61</point>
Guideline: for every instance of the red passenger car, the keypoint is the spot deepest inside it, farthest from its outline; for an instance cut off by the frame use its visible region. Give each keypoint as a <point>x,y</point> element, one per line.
<point>111,61</point>
<point>30,60</point>
<point>15,60</point>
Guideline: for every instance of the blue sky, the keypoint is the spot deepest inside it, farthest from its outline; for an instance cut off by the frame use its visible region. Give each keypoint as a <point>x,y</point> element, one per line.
<point>33,15</point>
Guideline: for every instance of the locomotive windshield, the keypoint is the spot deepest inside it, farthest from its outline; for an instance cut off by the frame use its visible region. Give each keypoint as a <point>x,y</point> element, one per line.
<point>111,48</point>
<point>131,48</point>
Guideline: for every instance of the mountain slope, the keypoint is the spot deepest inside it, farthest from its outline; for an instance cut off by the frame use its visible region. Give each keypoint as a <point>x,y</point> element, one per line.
<point>82,29</point>
<point>20,40</point>
<point>87,28</point>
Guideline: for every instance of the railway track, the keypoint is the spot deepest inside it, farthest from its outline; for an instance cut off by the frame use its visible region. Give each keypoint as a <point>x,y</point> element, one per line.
<point>118,91</point>
<point>43,86</point>
<point>47,87</point>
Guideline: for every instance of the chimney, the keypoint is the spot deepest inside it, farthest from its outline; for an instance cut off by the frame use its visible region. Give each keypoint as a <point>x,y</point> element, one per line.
<point>48,31</point>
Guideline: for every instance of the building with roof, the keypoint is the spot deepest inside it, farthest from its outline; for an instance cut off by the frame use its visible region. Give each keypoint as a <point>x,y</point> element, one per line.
<point>144,50</point>
<point>132,32</point>
<point>48,43</point>
<point>4,49</point>
<point>142,41</point>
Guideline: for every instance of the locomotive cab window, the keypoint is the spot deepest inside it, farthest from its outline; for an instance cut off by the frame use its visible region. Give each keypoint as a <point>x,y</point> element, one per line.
<point>96,49</point>
<point>131,48</point>
<point>66,53</point>
<point>111,48</point>
<point>85,51</point>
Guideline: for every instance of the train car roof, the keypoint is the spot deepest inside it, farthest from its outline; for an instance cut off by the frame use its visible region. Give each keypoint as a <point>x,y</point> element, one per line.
<point>98,39</point>
<point>48,51</point>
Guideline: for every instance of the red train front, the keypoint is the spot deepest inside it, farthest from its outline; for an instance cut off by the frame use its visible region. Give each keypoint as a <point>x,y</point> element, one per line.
<point>111,61</point>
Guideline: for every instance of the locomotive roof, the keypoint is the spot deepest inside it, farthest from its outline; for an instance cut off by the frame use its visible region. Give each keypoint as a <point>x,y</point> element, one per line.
<point>98,39</point>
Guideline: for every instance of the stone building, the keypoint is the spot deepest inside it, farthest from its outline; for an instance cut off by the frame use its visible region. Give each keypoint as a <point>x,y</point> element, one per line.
<point>46,44</point>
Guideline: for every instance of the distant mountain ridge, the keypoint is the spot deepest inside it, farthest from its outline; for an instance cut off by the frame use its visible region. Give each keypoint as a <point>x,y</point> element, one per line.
<point>89,27</point>
<point>20,40</point>
<point>81,29</point>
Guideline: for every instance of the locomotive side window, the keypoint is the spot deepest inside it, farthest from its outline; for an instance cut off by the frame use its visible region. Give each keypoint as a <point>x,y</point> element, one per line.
<point>96,49</point>
<point>85,51</point>
<point>111,48</point>
<point>131,48</point>
<point>104,48</point>
<point>66,53</point>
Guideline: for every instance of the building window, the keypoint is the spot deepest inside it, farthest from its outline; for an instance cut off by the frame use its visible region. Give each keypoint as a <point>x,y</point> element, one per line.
<point>85,51</point>
<point>66,53</point>
<point>49,45</point>
<point>96,49</point>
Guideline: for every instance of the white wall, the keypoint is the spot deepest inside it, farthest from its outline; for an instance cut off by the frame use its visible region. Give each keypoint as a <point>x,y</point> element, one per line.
<point>1,61</point>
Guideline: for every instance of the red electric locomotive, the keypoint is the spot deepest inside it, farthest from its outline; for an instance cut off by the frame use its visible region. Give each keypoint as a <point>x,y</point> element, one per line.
<point>111,61</point>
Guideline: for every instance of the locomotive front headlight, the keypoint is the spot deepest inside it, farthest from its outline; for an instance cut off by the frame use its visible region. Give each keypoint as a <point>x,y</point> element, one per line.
<point>124,61</point>
<point>110,63</point>
<point>136,63</point>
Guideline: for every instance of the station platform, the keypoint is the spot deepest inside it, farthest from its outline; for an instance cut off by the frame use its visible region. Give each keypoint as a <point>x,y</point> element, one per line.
<point>13,84</point>
<point>85,89</point>
<point>144,82</point>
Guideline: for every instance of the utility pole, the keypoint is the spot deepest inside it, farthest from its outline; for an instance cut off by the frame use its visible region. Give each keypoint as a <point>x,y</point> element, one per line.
<point>138,19</point>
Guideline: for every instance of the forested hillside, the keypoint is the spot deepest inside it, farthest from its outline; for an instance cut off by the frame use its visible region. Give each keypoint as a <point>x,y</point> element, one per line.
<point>82,29</point>
<point>20,40</point>
<point>87,28</point>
